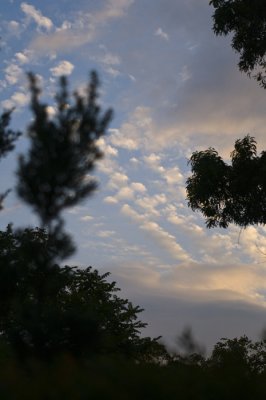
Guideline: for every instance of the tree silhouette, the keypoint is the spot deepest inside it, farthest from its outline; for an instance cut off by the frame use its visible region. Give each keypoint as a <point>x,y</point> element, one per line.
<point>63,151</point>
<point>47,310</point>
<point>245,20</point>
<point>7,142</point>
<point>229,193</point>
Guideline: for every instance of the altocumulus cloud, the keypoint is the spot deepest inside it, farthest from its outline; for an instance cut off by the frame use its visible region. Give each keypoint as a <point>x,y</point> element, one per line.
<point>62,68</point>
<point>34,14</point>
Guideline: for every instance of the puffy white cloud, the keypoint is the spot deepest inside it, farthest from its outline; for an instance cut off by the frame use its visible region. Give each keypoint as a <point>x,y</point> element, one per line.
<point>117,180</point>
<point>17,100</point>
<point>110,200</point>
<point>149,203</point>
<point>108,165</point>
<point>106,148</point>
<point>20,98</point>
<point>63,68</point>
<point>137,132</point>
<point>125,190</point>
<point>153,160</point>
<point>125,193</point>
<point>173,176</point>
<point>134,161</point>
<point>13,73</point>
<point>138,187</point>
<point>36,15</point>
<point>24,57</point>
<point>118,139</point>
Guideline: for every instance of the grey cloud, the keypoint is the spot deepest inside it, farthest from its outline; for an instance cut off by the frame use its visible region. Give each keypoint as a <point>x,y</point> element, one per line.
<point>83,29</point>
<point>193,88</point>
<point>168,312</point>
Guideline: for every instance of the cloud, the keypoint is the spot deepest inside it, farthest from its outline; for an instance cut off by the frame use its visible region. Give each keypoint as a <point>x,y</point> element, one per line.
<point>105,234</point>
<point>117,180</point>
<point>13,73</point>
<point>86,218</point>
<point>143,130</point>
<point>63,68</point>
<point>213,102</point>
<point>253,242</point>
<point>173,176</point>
<point>153,161</point>
<point>185,74</point>
<point>138,187</point>
<point>113,9</point>
<point>36,15</point>
<point>149,203</point>
<point>22,58</point>
<point>120,182</point>
<point>110,200</point>
<point>106,148</point>
<point>134,161</point>
<point>18,99</point>
<point>127,210</point>
<point>62,41</point>
<point>122,141</point>
<point>136,132</point>
<point>163,35</point>
<point>166,240</point>
<point>83,29</point>
<point>195,282</point>
<point>173,300</point>
<point>162,238</point>
<point>194,92</point>
<point>109,61</point>
<point>108,58</point>
<point>125,193</point>
<point>14,28</point>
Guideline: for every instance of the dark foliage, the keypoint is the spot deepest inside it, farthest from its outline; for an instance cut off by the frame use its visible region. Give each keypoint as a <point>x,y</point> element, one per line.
<point>234,193</point>
<point>228,373</point>
<point>63,151</point>
<point>7,142</point>
<point>7,135</point>
<point>246,20</point>
<point>47,310</point>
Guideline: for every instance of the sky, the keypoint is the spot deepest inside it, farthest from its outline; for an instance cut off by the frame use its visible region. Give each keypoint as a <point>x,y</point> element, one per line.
<point>174,88</point>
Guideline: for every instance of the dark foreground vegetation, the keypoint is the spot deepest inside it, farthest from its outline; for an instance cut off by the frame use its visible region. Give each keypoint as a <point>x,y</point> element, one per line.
<point>235,370</point>
<point>64,331</point>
